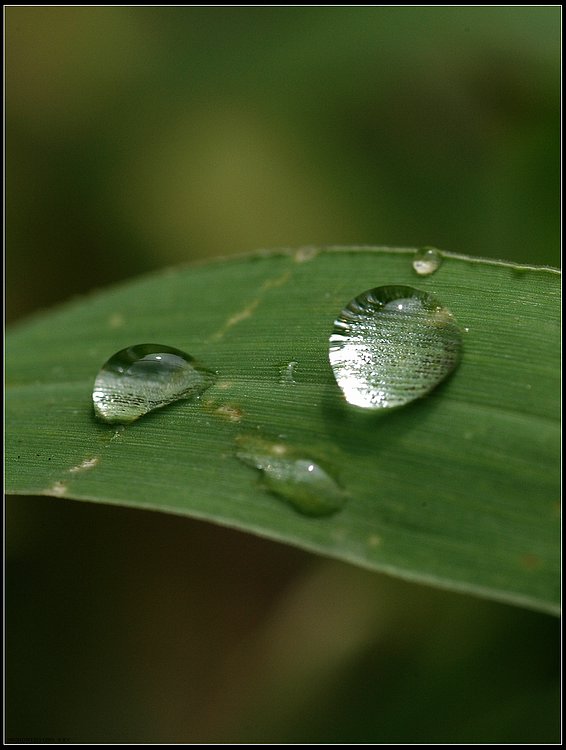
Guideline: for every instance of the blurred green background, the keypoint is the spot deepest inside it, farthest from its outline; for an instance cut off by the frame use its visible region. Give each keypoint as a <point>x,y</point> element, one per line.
<point>138,137</point>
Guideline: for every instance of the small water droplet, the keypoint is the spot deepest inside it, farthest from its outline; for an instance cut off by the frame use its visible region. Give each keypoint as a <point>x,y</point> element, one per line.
<point>391,345</point>
<point>144,377</point>
<point>292,475</point>
<point>287,373</point>
<point>427,260</point>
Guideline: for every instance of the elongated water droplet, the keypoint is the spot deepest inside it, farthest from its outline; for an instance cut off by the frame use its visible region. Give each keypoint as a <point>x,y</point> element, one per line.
<point>427,260</point>
<point>145,377</point>
<point>292,475</point>
<point>391,345</point>
<point>287,373</point>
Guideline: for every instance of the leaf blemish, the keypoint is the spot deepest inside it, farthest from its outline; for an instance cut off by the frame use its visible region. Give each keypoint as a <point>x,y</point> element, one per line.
<point>276,282</point>
<point>304,254</point>
<point>236,318</point>
<point>58,489</point>
<point>530,562</point>
<point>250,309</point>
<point>224,384</point>
<point>88,463</point>
<point>116,321</point>
<point>229,412</point>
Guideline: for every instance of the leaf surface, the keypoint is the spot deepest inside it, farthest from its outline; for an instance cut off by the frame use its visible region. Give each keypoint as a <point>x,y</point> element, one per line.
<point>459,489</point>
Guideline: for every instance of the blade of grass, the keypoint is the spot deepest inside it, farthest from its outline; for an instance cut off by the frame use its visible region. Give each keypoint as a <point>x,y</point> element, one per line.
<point>459,489</point>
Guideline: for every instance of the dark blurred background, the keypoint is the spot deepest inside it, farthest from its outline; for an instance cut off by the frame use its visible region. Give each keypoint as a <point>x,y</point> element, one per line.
<point>138,137</point>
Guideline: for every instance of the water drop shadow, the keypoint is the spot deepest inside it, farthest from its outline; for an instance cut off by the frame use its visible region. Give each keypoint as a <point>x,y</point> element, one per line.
<point>362,431</point>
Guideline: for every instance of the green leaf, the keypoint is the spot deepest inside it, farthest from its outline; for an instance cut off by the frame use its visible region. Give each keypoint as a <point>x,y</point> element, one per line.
<point>459,489</point>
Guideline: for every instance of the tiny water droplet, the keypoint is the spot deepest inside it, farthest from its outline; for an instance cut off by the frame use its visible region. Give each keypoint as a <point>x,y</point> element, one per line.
<point>144,377</point>
<point>292,475</point>
<point>287,373</point>
<point>427,260</point>
<point>391,345</point>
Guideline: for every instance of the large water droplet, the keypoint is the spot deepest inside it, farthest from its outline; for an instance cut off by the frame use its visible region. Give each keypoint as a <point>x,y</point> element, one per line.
<point>427,260</point>
<point>391,345</point>
<point>145,377</point>
<point>292,475</point>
